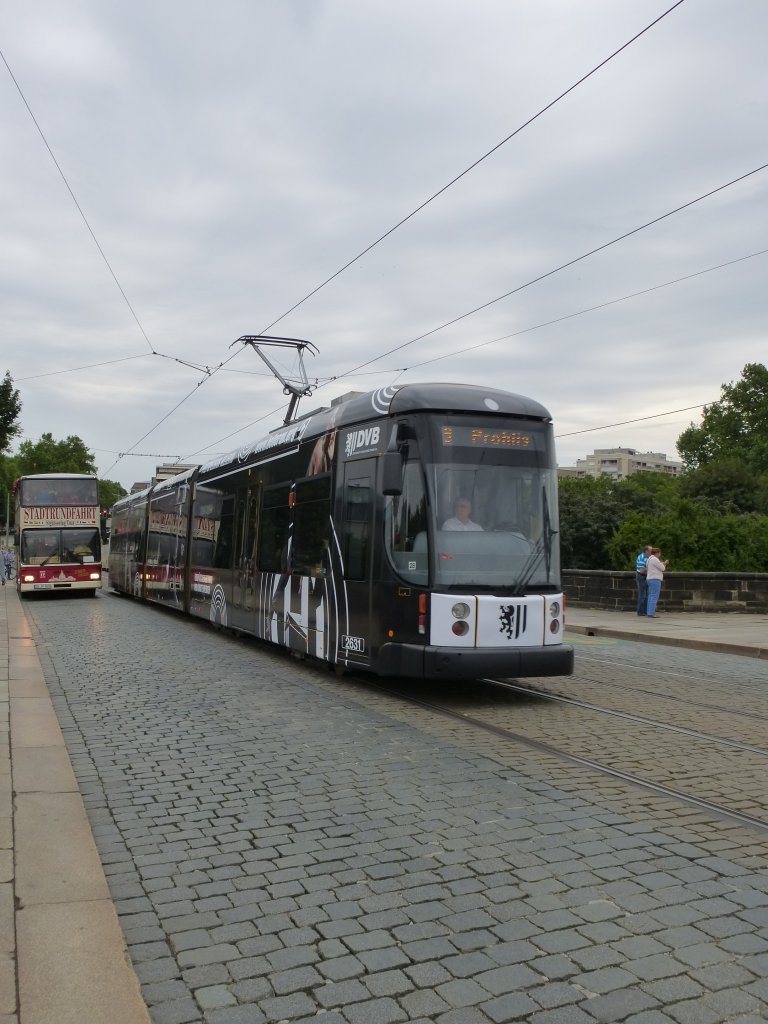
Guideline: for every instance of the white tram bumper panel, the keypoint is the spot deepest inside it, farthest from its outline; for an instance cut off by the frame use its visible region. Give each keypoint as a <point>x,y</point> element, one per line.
<point>473,635</point>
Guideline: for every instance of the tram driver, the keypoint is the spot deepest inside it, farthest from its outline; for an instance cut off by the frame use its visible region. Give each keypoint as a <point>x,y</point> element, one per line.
<point>462,509</point>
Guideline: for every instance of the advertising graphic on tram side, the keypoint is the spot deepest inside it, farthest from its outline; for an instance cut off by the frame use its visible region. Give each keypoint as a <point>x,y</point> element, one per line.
<point>57,533</point>
<point>411,531</point>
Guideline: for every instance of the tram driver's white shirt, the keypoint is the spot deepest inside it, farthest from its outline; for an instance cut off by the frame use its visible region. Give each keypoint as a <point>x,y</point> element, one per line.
<point>456,524</point>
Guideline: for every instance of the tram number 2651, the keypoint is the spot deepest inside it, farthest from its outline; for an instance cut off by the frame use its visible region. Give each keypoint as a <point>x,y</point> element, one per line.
<point>353,644</point>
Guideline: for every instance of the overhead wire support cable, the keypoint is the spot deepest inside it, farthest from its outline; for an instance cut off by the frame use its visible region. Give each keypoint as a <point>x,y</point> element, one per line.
<point>77,204</point>
<point>637,419</point>
<point>88,366</point>
<point>556,270</point>
<point>505,337</point>
<point>566,316</point>
<point>476,163</point>
<point>210,372</point>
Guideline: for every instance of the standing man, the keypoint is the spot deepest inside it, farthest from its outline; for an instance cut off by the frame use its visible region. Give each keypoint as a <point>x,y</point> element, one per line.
<point>641,581</point>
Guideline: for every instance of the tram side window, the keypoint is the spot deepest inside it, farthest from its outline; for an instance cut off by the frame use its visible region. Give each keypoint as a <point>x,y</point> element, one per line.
<point>406,528</point>
<point>206,515</point>
<point>275,524</point>
<point>358,513</point>
<point>247,523</point>
<point>311,525</point>
<point>222,556</point>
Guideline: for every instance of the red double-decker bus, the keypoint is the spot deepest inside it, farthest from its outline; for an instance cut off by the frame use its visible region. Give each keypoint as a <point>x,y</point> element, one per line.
<point>57,533</point>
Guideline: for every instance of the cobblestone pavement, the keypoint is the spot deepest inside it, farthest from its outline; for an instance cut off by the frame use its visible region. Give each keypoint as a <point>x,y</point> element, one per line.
<point>284,846</point>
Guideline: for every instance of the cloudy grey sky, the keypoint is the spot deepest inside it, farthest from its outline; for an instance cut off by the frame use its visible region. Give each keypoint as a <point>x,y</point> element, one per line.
<point>231,157</point>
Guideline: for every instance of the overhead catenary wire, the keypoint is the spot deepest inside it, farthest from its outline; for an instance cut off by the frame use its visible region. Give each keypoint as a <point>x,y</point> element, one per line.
<point>77,204</point>
<point>556,270</point>
<point>210,372</point>
<point>485,305</point>
<point>494,341</point>
<point>566,316</point>
<point>637,419</point>
<point>473,165</point>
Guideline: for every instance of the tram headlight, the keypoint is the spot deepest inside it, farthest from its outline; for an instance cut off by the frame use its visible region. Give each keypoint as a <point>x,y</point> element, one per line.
<point>460,610</point>
<point>460,627</point>
<point>554,610</point>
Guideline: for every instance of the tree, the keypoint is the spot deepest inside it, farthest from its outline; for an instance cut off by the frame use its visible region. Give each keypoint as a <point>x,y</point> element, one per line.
<point>49,456</point>
<point>589,515</point>
<point>10,407</point>
<point>727,485</point>
<point>593,509</point>
<point>736,427</point>
<point>696,538</point>
<point>109,492</point>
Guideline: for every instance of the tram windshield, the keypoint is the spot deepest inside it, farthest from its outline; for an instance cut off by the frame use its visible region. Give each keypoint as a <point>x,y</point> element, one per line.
<point>493,497</point>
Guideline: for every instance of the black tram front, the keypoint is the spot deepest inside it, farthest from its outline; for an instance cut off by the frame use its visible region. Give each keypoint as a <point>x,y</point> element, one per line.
<point>469,579</point>
<point>344,536</point>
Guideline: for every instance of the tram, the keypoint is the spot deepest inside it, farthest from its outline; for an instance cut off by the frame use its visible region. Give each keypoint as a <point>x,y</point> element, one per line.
<point>411,531</point>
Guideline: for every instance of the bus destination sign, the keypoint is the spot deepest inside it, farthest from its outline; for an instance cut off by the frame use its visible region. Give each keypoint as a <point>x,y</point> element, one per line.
<point>484,437</point>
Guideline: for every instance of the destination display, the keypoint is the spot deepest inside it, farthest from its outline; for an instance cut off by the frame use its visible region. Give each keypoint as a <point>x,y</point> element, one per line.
<point>461,436</point>
<point>51,516</point>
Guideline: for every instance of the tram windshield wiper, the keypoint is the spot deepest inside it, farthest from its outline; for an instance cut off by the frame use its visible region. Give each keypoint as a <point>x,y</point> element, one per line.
<point>542,550</point>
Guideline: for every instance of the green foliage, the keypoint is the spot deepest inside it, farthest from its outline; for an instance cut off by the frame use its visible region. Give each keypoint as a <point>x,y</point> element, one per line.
<point>109,492</point>
<point>10,407</point>
<point>49,456</point>
<point>727,485</point>
<point>695,538</point>
<point>589,515</point>
<point>592,509</point>
<point>736,427</point>
<point>8,474</point>
<point>712,519</point>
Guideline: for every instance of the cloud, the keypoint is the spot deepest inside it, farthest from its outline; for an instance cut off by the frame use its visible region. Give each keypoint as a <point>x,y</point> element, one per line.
<point>230,159</point>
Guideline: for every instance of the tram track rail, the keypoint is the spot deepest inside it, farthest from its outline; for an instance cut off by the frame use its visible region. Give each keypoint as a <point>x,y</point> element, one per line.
<point>658,695</point>
<point>640,719</point>
<point>636,781</point>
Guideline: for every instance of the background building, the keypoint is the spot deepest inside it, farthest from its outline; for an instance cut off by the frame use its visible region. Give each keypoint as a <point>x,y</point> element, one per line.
<point>619,463</point>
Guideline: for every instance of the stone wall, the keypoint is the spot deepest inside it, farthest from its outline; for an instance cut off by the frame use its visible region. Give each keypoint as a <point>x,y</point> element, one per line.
<point>680,591</point>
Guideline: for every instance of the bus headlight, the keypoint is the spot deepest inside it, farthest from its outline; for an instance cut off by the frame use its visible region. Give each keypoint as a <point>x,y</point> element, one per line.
<point>29,579</point>
<point>460,610</point>
<point>95,576</point>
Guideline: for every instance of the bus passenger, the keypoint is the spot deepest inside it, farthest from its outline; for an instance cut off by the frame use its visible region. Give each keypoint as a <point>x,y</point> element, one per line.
<point>462,509</point>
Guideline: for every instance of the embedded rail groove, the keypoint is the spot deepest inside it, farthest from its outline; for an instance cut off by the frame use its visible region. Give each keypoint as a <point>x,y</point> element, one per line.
<point>670,696</point>
<point>636,781</point>
<point>628,716</point>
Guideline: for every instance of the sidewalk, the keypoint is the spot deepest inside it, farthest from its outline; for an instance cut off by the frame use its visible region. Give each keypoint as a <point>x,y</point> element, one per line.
<point>62,955</point>
<point>724,633</point>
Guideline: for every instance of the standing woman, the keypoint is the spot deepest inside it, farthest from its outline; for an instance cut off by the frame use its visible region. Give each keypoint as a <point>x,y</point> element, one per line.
<point>654,575</point>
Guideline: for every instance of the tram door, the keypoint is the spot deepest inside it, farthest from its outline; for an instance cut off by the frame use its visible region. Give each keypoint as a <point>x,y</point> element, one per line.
<point>243,583</point>
<point>357,551</point>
